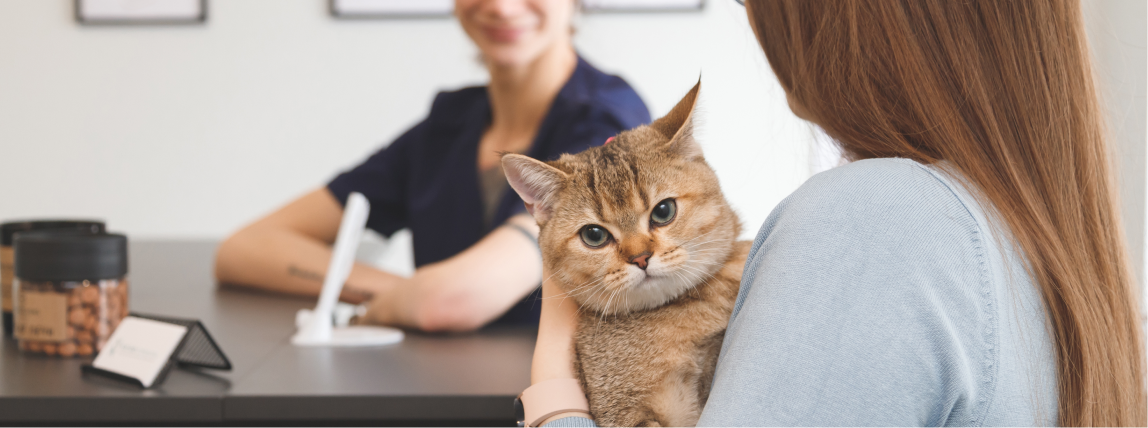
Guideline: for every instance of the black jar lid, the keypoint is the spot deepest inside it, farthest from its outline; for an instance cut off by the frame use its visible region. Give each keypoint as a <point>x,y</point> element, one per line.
<point>70,256</point>
<point>10,229</point>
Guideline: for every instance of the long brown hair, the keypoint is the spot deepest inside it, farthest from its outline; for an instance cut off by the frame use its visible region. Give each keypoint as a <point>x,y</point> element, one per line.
<point>1003,91</point>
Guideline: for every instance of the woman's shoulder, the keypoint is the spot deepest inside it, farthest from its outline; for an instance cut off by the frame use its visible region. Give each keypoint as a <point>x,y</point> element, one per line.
<point>880,223</point>
<point>877,227</point>
<point>884,182</point>
<point>459,104</point>
<point>591,91</point>
<point>875,194</point>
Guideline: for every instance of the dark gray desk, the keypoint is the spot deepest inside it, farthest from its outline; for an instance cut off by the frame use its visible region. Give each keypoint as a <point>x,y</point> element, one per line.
<point>466,379</point>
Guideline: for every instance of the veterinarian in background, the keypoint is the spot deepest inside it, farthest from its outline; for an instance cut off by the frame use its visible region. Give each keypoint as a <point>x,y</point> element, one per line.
<point>474,248</point>
<point>967,267</point>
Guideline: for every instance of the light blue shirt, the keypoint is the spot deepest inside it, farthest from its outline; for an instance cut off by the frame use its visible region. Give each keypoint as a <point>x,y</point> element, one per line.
<point>880,293</point>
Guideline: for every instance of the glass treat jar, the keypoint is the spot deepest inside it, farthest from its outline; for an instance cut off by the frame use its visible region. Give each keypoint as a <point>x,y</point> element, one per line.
<point>8,232</point>
<point>71,291</point>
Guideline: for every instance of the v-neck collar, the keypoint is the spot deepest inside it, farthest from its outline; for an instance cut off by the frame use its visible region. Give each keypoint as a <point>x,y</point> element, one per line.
<point>539,146</point>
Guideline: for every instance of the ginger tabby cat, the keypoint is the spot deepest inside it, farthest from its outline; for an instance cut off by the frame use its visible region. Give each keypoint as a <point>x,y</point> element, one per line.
<point>638,234</point>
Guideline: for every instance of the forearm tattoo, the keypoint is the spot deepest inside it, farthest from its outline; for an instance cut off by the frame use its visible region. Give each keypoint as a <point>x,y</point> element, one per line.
<point>350,293</point>
<point>304,274</point>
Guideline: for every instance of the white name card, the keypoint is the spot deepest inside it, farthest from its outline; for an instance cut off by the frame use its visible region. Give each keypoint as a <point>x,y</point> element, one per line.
<point>140,348</point>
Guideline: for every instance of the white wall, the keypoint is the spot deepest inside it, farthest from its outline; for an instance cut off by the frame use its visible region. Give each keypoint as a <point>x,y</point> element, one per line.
<point>189,132</point>
<point>1119,37</point>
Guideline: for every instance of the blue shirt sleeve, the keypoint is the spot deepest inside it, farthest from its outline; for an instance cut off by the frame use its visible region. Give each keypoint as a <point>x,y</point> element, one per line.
<point>859,306</point>
<point>383,178</point>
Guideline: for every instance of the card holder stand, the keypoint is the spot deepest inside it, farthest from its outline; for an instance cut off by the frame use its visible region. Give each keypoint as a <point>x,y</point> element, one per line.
<point>197,349</point>
<point>89,369</point>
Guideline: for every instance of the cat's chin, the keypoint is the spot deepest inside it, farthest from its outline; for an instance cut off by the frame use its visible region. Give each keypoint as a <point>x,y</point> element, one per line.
<point>645,292</point>
<point>654,291</point>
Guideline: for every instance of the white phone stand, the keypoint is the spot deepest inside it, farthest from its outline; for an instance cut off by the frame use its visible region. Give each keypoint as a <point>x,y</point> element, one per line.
<point>316,328</point>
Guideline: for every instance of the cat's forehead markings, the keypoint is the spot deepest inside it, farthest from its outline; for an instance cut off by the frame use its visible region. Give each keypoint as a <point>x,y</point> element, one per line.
<point>592,186</point>
<point>628,222</point>
<point>638,185</point>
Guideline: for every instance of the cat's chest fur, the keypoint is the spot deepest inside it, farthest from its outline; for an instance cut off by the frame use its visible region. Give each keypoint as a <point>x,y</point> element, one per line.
<point>654,367</point>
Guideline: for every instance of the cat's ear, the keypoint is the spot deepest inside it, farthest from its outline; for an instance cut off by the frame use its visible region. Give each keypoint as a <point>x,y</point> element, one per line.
<point>535,181</point>
<point>678,125</point>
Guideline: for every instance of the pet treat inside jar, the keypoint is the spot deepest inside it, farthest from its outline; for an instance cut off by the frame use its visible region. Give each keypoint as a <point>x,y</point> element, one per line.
<point>7,233</point>
<point>71,291</point>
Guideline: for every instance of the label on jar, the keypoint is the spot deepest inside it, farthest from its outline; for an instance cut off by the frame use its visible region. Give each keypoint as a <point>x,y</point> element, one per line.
<point>41,316</point>
<point>6,274</point>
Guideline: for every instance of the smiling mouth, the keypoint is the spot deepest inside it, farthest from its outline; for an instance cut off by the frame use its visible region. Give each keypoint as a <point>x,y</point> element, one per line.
<point>503,35</point>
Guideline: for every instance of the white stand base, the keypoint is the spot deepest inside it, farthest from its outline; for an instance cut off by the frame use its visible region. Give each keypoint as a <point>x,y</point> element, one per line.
<point>354,335</point>
<point>333,330</point>
<point>326,325</point>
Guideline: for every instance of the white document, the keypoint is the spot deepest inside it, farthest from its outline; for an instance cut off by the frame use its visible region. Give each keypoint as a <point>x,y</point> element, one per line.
<point>140,348</point>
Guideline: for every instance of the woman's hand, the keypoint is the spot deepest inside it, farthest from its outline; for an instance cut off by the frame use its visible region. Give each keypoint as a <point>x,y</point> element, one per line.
<point>553,386</point>
<point>554,351</point>
<point>468,290</point>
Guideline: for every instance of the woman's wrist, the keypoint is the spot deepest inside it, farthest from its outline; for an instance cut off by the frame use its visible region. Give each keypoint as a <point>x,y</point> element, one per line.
<point>554,392</point>
<point>383,288</point>
<point>553,399</point>
<point>553,351</point>
<point>564,415</point>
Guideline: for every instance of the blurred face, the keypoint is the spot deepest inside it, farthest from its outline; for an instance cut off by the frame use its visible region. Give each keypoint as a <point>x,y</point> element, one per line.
<point>515,32</point>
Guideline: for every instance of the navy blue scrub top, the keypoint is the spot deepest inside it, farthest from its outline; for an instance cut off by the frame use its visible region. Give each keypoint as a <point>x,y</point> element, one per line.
<point>427,179</point>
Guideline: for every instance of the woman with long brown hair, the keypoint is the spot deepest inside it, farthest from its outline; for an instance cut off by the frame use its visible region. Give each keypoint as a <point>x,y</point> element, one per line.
<point>967,267</point>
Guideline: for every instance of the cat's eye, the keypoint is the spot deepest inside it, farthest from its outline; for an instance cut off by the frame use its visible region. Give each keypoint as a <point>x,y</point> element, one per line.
<point>595,236</point>
<point>664,212</point>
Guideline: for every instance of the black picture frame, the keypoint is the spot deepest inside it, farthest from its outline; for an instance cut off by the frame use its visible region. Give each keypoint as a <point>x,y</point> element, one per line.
<point>337,13</point>
<point>591,10</point>
<point>78,10</point>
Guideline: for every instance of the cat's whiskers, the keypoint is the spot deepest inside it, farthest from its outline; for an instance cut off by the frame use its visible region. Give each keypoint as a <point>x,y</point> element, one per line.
<point>699,275</point>
<point>699,236</point>
<point>706,247</point>
<point>606,309</point>
<point>584,307</point>
<point>709,252</point>
<point>707,263</point>
<point>692,276</point>
<point>702,276</point>
<point>600,280</point>
<point>566,295</point>
<point>560,270</point>
<point>609,302</point>
<point>581,288</point>
<point>589,303</point>
<point>563,295</point>
<point>691,247</point>
<point>684,244</point>
<point>598,290</point>
<point>591,300</point>
<point>685,282</point>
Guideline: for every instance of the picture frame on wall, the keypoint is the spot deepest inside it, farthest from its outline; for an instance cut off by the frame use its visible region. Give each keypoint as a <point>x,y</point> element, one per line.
<point>596,6</point>
<point>140,12</point>
<point>387,9</point>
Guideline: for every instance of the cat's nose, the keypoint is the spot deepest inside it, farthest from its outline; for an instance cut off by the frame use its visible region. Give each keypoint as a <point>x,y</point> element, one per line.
<point>642,260</point>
